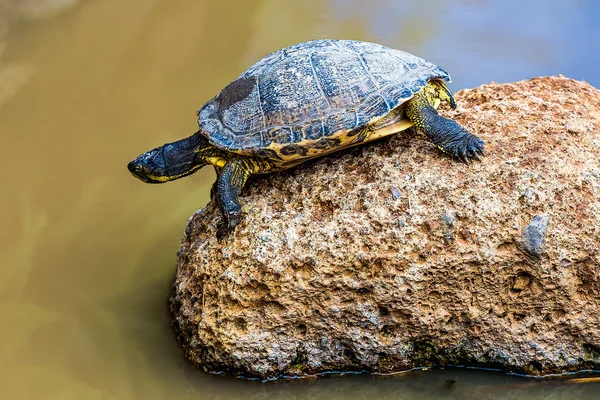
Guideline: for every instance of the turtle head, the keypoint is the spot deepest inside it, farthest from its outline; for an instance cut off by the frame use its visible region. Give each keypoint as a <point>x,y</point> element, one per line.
<point>170,161</point>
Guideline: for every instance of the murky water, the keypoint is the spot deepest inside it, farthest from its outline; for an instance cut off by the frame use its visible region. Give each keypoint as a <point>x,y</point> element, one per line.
<point>87,252</point>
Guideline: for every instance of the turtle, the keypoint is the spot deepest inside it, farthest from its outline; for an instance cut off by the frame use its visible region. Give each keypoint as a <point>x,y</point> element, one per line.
<point>306,101</point>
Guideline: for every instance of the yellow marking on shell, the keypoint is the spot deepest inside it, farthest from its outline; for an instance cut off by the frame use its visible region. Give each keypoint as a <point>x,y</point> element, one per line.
<point>216,161</point>
<point>389,130</point>
<point>345,140</point>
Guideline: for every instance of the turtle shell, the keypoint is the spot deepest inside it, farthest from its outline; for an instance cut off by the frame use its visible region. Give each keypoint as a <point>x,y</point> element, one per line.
<point>310,92</point>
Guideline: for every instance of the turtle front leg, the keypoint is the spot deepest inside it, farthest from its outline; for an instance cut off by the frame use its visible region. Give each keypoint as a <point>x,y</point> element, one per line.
<point>229,184</point>
<point>213,188</point>
<point>445,133</point>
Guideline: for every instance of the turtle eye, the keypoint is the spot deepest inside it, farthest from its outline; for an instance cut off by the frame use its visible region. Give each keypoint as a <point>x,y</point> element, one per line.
<point>136,168</point>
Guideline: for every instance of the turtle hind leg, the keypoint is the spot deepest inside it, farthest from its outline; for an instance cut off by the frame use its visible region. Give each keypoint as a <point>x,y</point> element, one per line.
<point>230,181</point>
<point>445,133</point>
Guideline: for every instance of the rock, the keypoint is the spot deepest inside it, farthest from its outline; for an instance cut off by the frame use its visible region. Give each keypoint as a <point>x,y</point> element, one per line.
<point>359,262</point>
<point>533,236</point>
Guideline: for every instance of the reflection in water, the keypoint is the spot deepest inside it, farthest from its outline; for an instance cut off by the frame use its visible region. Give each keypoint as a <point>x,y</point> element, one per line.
<point>12,79</point>
<point>88,253</point>
<point>35,8</point>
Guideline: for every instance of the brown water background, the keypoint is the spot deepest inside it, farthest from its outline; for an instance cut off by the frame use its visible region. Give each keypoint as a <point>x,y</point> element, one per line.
<point>87,253</point>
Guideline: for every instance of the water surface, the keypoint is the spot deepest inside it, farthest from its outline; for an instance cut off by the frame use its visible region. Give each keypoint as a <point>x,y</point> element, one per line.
<point>87,253</point>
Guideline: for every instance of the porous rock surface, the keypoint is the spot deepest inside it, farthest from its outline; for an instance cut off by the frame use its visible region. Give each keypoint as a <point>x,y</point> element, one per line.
<point>392,256</point>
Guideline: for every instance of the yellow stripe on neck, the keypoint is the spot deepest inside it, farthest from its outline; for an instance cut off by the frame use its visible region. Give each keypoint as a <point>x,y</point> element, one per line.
<point>168,178</point>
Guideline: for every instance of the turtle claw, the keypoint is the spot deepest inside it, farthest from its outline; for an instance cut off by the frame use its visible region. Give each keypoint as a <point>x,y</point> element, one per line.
<point>226,225</point>
<point>464,157</point>
<point>221,231</point>
<point>466,148</point>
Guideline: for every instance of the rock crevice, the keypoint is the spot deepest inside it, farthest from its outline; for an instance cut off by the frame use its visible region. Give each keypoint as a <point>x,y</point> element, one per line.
<point>392,256</point>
